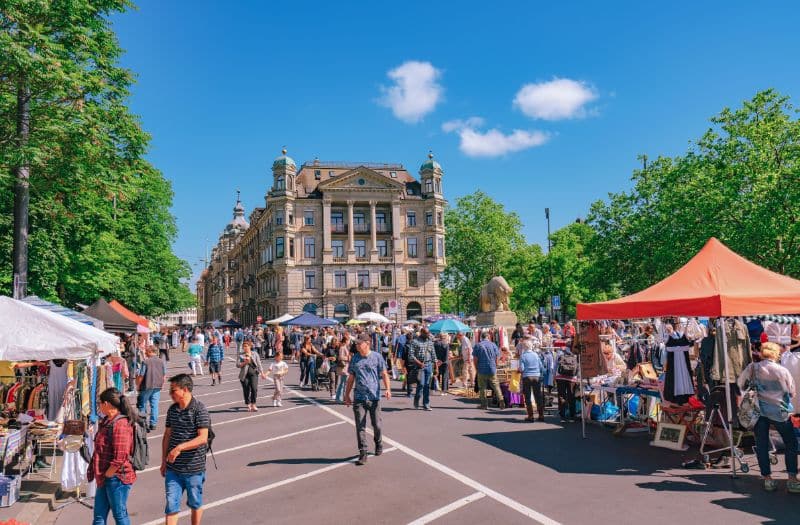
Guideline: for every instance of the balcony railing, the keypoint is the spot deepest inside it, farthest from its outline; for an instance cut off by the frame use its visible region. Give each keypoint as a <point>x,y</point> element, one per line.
<point>385,259</point>
<point>383,227</point>
<point>338,228</point>
<point>362,259</point>
<point>340,259</point>
<point>361,227</point>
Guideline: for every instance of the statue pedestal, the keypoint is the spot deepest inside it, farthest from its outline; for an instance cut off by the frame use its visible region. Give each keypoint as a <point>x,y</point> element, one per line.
<point>505,319</point>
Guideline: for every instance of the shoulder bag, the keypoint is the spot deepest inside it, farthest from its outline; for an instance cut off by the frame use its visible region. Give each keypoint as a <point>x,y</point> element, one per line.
<point>749,411</point>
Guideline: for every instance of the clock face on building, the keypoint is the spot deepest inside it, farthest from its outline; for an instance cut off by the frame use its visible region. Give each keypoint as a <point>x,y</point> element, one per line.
<point>361,182</point>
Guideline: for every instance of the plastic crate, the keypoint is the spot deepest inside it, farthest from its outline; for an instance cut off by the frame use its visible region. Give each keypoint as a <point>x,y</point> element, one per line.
<point>9,490</point>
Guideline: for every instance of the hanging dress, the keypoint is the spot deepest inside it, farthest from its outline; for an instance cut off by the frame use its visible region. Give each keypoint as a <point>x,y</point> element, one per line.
<point>56,385</point>
<point>678,386</point>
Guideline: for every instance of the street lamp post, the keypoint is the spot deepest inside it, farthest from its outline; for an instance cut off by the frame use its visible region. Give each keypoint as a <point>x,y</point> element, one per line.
<point>549,266</point>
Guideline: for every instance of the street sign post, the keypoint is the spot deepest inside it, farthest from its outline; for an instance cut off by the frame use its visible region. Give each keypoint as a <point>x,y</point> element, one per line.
<point>556,302</point>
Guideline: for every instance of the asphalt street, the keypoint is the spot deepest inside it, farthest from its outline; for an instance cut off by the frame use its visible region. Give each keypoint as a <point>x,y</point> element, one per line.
<point>457,464</point>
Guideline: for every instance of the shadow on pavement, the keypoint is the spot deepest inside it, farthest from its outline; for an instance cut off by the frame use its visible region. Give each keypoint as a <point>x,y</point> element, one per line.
<point>301,461</point>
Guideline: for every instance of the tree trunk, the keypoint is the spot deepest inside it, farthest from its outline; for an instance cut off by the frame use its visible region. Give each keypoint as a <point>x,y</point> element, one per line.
<point>21,194</point>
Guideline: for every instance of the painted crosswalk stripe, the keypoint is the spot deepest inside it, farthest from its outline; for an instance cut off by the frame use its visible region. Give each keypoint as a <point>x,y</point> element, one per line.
<point>447,509</point>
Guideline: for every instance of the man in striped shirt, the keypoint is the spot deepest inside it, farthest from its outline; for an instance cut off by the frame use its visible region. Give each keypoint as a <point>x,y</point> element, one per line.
<point>183,450</point>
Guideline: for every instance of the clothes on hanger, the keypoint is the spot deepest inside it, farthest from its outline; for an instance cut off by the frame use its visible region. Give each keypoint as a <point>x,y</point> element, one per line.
<point>738,354</point>
<point>791,361</point>
<point>57,380</point>
<point>678,386</point>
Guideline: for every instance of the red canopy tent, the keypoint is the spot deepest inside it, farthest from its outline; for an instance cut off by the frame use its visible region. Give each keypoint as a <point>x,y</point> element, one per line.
<point>714,283</point>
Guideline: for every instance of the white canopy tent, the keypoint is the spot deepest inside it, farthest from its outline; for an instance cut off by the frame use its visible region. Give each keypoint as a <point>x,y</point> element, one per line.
<point>31,333</point>
<point>281,319</point>
<point>372,317</point>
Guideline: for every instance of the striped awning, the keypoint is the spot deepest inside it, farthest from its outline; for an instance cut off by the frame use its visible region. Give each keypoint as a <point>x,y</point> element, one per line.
<point>780,319</point>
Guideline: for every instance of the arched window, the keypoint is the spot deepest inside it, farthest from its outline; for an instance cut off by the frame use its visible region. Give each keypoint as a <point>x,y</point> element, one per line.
<point>341,310</point>
<point>384,306</point>
<point>414,311</point>
<point>310,308</point>
<point>280,183</point>
<point>364,307</point>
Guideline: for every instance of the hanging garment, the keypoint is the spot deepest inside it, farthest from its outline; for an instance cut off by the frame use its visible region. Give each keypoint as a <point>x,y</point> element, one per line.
<point>780,333</point>
<point>678,385</point>
<point>791,361</point>
<point>738,350</point>
<point>73,471</point>
<point>56,384</point>
<point>548,368</point>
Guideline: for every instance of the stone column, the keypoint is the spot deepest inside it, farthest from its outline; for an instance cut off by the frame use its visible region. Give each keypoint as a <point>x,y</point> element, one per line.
<point>397,227</point>
<point>373,231</point>
<point>351,245</point>
<point>326,226</point>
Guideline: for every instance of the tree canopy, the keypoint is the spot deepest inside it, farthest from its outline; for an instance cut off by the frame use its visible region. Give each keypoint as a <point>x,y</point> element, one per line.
<point>100,220</point>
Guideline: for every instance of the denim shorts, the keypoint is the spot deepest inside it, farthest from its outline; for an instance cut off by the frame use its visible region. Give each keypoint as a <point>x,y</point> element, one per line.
<point>214,367</point>
<point>176,483</point>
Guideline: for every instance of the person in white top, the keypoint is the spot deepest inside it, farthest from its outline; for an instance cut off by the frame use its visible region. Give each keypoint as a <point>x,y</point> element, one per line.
<point>468,371</point>
<point>278,370</point>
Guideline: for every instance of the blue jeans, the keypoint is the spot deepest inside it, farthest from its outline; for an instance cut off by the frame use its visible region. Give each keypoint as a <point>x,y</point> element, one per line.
<point>311,371</point>
<point>763,446</point>
<point>150,396</point>
<point>113,496</point>
<point>426,373</point>
<point>176,483</point>
<point>340,388</point>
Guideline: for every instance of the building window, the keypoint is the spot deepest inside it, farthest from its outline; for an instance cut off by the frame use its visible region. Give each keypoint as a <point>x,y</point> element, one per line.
<point>411,218</point>
<point>383,248</point>
<point>428,186</point>
<point>429,218</point>
<point>429,247</point>
<point>414,311</point>
<point>412,247</point>
<point>358,217</point>
<point>386,278</point>
<point>317,174</point>
<point>440,246</point>
<point>291,219</point>
<point>279,217</point>
<point>280,183</point>
<point>361,248</point>
<point>308,248</point>
<point>341,310</point>
<point>310,308</point>
<point>439,218</point>
<point>412,279</point>
<point>310,281</point>
<point>362,278</point>
<point>279,247</point>
<point>340,280</point>
<point>438,186</point>
<point>308,217</point>
<point>380,221</point>
<point>393,174</point>
<point>291,248</point>
<point>331,173</point>
<point>338,248</point>
<point>364,307</point>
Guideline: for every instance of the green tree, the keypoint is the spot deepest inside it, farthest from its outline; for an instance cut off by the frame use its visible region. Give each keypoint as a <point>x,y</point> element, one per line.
<point>100,223</point>
<point>740,182</point>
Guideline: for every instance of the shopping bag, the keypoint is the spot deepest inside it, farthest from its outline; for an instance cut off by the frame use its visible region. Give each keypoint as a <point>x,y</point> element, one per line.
<point>513,383</point>
<point>325,367</point>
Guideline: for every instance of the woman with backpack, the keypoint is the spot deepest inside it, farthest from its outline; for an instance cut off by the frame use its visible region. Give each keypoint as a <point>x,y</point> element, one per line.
<point>110,465</point>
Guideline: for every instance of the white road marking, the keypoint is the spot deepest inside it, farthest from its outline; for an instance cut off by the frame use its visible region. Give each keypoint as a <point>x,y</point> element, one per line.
<point>263,441</point>
<point>207,393</point>
<point>444,469</point>
<point>447,509</point>
<point>266,394</point>
<point>215,424</point>
<point>265,488</point>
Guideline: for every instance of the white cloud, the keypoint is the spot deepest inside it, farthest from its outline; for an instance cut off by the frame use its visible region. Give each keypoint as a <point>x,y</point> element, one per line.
<point>415,92</point>
<point>492,143</point>
<point>560,98</point>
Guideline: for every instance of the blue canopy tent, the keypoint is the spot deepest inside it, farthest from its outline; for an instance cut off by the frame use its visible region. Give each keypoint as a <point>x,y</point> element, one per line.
<point>63,310</point>
<point>450,326</point>
<point>308,320</point>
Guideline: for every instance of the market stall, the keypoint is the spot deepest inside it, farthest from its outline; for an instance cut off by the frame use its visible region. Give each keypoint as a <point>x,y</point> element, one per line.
<point>716,282</point>
<point>113,321</point>
<point>52,359</point>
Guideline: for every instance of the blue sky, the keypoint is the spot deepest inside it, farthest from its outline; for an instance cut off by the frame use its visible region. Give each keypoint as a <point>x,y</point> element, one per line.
<point>222,86</point>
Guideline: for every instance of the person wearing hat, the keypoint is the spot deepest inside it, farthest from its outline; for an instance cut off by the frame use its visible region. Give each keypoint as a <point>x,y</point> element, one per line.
<point>367,369</point>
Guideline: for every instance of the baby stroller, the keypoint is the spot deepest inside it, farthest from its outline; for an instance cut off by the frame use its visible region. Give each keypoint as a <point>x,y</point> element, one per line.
<point>320,380</point>
<point>716,425</point>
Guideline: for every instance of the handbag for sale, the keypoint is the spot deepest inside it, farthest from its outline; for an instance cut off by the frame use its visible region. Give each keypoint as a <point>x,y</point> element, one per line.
<point>749,411</point>
<point>74,427</point>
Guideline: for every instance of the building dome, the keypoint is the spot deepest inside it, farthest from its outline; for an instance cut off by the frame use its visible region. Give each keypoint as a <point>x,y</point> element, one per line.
<point>238,221</point>
<point>283,160</point>
<point>430,164</point>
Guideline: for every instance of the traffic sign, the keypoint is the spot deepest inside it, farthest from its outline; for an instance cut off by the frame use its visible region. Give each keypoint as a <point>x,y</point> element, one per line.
<point>556,302</point>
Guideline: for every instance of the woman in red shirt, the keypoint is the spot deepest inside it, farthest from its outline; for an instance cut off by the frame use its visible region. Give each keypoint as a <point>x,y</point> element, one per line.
<point>111,466</point>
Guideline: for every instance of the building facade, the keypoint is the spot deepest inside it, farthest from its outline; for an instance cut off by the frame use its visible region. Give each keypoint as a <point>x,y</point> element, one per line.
<point>183,317</point>
<point>338,239</point>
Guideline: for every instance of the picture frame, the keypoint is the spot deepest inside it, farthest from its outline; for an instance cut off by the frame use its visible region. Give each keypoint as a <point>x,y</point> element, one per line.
<point>671,436</point>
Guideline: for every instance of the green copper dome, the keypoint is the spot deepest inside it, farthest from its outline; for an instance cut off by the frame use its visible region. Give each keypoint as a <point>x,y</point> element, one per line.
<point>283,160</point>
<point>430,164</point>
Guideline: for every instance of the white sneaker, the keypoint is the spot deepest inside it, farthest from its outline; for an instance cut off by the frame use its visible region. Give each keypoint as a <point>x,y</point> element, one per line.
<point>274,403</point>
<point>280,404</point>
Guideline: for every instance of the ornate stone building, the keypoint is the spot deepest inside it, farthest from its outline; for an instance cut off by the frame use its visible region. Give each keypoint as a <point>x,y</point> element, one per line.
<point>339,239</point>
<point>218,279</point>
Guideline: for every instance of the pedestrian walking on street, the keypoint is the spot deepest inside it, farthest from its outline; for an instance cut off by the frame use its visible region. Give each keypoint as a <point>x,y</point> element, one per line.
<point>183,450</point>
<point>150,380</point>
<point>367,369</point>
<point>250,369</point>
<point>110,466</point>
<point>214,357</point>
<point>330,353</point>
<point>442,349</point>
<point>196,357</point>
<point>163,346</point>
<point>468,369</point>
<point>530,364</point>
<point>485,354</point>
<point>423,354</point>
<point>342,366</point>
<point>278,369</point>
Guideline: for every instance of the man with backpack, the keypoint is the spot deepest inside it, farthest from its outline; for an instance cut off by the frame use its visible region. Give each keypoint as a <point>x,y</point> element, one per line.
<point>186,441</point>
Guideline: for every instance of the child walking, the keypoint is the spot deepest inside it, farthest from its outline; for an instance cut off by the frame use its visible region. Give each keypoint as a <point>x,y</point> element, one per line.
<point>278,369</point>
